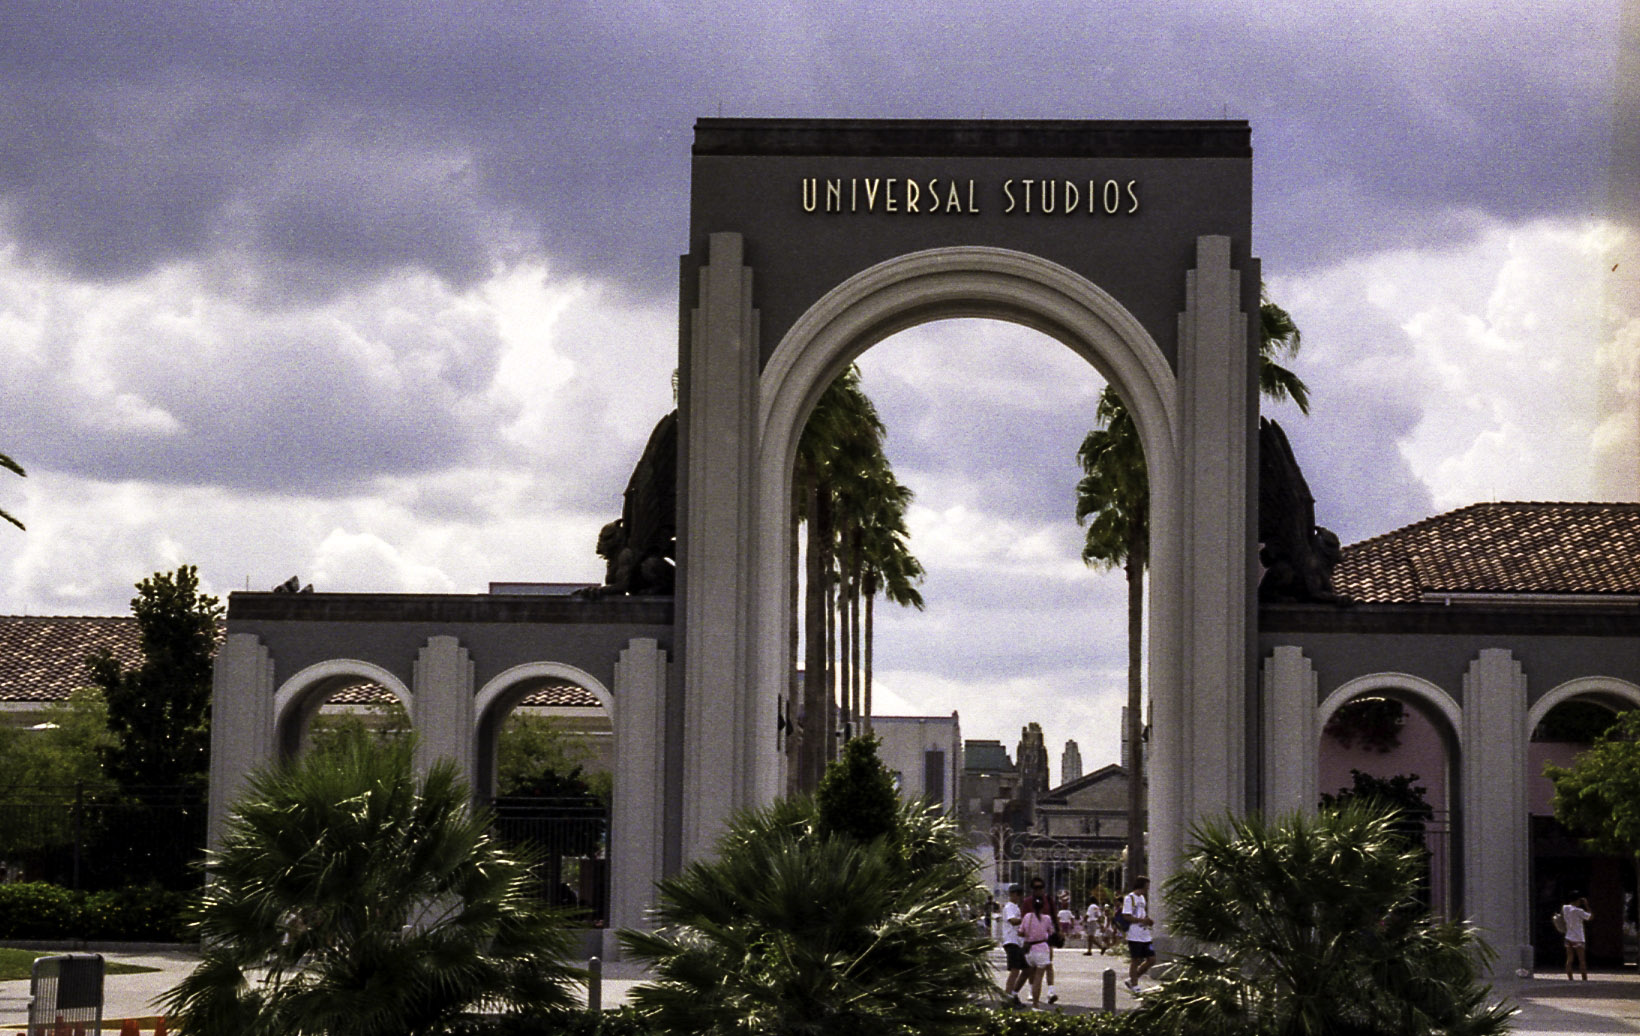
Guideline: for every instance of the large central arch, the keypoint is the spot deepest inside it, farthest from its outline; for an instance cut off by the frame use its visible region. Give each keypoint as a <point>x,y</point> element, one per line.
<point>1103,289</point>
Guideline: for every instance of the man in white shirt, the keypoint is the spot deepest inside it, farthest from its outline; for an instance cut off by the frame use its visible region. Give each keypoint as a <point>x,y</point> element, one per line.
<point>1136,911</point>
<point>1013,946</point>
<point>1575,912</point>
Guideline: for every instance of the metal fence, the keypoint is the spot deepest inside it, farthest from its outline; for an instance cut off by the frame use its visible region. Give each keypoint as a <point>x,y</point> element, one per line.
<point>568,838</point>
<point>95,836</point>
<point>1083,868</point>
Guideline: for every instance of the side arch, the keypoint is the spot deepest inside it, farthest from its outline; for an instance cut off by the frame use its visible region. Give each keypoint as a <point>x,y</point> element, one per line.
<point>1607,690</point>
<point>293,701</point>
<point>1416,686</point>
<point>499,684</point>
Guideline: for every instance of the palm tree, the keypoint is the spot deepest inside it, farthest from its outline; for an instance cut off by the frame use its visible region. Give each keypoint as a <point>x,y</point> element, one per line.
<point>11,465</point>
<point>351,897</point>
<point>805,922</point>
<point>1312,925</point>
<point>1113,501</point>
<point>845,490</point>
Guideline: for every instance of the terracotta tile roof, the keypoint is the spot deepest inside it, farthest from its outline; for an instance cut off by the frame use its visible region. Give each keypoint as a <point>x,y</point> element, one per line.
<point>42,657</point>
<point>1508,548</point>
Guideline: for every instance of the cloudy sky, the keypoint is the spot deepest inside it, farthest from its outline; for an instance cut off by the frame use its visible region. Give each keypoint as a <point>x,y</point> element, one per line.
<point>384,294</point>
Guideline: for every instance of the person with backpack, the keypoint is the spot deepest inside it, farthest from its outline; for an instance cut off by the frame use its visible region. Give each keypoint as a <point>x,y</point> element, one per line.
<point>1136,920</point>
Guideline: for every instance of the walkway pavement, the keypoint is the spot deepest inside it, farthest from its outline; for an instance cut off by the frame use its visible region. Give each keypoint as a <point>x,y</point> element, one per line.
<point>1608,1005</point>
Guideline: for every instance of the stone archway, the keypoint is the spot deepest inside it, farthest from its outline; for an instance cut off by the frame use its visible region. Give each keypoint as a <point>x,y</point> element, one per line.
<point>739,451</point>
<point>300,697</point>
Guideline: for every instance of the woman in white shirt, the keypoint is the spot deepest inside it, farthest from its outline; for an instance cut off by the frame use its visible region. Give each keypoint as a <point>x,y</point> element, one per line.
<point>1575,913</point>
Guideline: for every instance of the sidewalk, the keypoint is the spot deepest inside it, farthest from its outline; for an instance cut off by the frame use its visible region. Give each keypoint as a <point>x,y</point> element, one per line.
<point>1608,1005</point>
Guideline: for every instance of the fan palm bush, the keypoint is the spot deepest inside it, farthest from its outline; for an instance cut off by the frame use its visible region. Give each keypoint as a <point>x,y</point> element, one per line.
<point>1311,925</point>
<point>802,926</point>
<point>351,897</point>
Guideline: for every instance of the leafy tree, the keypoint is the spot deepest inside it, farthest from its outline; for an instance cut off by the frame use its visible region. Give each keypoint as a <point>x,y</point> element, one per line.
<point>799,926</point>
<point>535,755</point>
<point>1113,501</point>
<point>45,770</point>
<point>857,795</point>
<point>11,465</point>
<point>160,711</point>
<point>351,897</point>
<point>1599,794</point>
<point>1308,926</point>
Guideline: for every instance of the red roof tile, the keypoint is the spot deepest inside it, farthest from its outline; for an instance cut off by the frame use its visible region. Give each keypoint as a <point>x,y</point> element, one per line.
<point>1507,548</point>
<point>42,658</point>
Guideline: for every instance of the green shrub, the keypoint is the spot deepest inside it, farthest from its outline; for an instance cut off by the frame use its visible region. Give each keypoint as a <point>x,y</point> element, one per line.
<point>623,1021</point>
<point>41,910</point>
<point>141,914</point>
<point>1041,1023</point>
<point>37,910</point>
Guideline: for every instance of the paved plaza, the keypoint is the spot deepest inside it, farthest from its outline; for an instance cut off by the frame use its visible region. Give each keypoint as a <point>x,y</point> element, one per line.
<point>1607,1005</point>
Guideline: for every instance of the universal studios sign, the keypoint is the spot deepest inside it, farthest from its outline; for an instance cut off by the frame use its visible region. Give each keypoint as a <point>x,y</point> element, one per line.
<point>1025,196</point>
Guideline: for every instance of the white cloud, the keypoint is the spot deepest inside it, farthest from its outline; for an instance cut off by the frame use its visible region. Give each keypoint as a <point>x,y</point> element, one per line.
<point>1500,369</point>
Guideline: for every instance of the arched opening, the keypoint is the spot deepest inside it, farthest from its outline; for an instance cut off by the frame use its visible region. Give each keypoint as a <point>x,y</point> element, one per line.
<point>983,419</point>
<point>331,702</point>
<point>1396,739</point>
<point>1563,723</point>
<point>545,760</point>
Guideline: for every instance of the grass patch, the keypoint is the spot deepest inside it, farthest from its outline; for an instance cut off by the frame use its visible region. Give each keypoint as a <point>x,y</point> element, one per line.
<point>16,964</point>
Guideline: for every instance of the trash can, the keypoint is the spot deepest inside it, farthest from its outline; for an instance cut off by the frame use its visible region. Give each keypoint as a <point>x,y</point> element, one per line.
<point>66,995</point>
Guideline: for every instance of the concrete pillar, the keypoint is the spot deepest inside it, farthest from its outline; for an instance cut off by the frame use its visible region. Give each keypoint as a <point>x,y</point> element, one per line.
<point>1288,686</point>
<point>1198,758</point>
<point>442,695</point>
<point>1496,836</point>
<point>723,746</point>
<point>638,811</point>
<point>241,723</point>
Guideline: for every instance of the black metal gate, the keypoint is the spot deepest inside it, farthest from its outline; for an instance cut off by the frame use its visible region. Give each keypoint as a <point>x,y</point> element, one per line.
<point>568,838</point>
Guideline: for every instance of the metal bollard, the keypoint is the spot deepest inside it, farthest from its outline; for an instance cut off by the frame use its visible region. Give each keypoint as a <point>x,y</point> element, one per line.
<point>595,984</point>
<point>1110,990</point>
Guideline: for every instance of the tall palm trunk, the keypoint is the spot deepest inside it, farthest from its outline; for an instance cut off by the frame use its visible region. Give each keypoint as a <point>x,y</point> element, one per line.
<point>855,695</point>
<point>1135,718</point>
<point>845,643</point>
<point>794,687</point>
<point>816,698</point>
<point>865,671</point>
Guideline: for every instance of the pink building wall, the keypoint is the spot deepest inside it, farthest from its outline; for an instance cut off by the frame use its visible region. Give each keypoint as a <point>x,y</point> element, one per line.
<point>1421,751</point>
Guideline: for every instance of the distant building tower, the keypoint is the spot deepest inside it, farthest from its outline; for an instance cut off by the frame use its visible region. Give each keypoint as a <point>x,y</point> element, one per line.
<point>1070,764</point>
<point>1033,760</point>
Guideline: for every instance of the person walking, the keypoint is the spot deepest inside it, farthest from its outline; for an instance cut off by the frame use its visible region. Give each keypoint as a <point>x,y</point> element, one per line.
<point>1013,947</point>
<point>1140,936</point>
<point>1094,928</point>
<point>1575,913</point>
<point>1035,929</point>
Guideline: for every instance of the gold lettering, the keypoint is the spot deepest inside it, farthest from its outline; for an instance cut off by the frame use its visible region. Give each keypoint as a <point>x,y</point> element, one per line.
<point>853,195</point>
<point>888,195</point>
<point>1050,196</point>
<point>952,202</point>
<point>971,206</point>
<point>1073,198</point>
<point>811,193</point>
<point>934,195</point>
<point>834,195</point>
<point>912,193</point>
<point>1133,194</point>
<point>872,186</point>
<point>1008,192</point>
<point>1112,196</point>
<point>1027,184</point>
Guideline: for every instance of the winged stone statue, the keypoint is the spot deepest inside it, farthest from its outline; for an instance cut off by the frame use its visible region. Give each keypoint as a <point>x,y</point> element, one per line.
<point>640,547</point>
<point>1297,554</point>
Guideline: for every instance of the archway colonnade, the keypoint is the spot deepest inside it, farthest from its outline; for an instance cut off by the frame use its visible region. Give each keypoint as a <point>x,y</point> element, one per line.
<point>259,720</point>
<point>1488,720</point>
